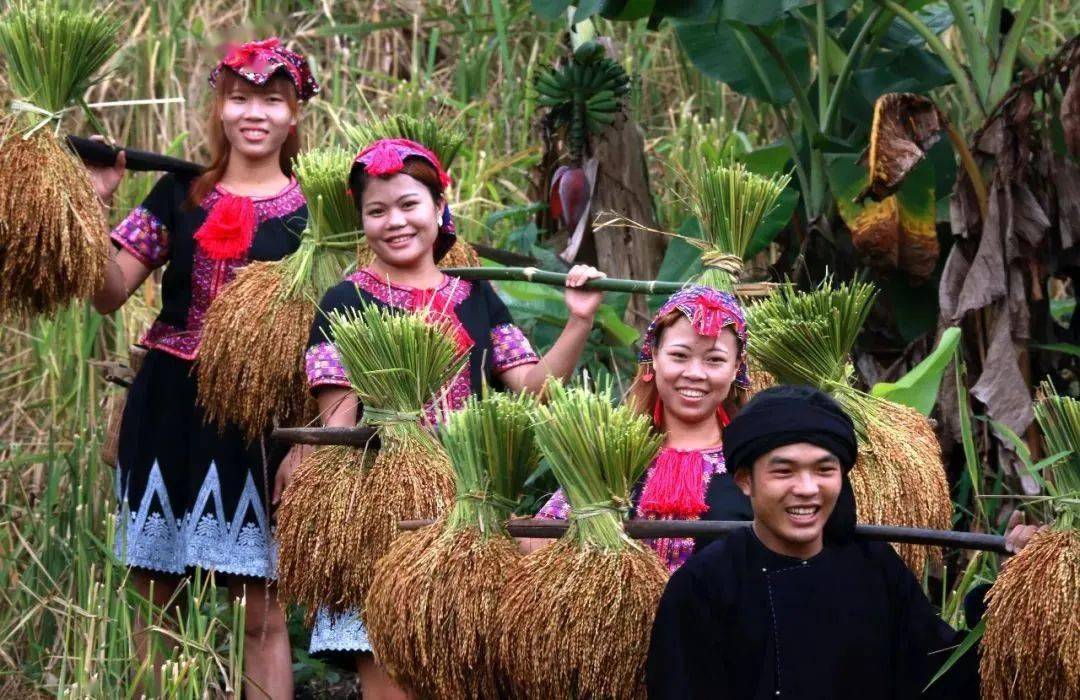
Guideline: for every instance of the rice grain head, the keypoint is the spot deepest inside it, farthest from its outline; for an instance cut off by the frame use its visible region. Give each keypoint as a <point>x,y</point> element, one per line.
<point>587,604</point>
<point>251,356</point>
<point>315,539</point>
<point>1031,646</point>
<point>410,479</point>
<point>899,478</point>
<point>432,610</point>
<point>54,244</point>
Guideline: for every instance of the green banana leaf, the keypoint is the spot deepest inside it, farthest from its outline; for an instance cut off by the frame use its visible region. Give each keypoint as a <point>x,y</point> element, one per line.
<point>919,387</point>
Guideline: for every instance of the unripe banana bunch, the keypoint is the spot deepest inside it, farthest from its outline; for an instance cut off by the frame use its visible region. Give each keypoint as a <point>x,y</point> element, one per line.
<point>587,91</point>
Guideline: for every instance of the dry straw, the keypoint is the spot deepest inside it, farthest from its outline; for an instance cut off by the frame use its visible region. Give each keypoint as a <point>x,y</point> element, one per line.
<point>256,330</point>
<point>397,363</point>
<point>430,611</point>
<point>899,478</point>
<point>1031,647</point>
<point>53,242</point>
<point>575,617</point>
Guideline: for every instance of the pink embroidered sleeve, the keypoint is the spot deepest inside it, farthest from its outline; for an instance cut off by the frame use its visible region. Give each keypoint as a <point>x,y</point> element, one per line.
<point>510,348</point>
<point>323,365</point>
<point>557,507</point>
<point>144,236</point>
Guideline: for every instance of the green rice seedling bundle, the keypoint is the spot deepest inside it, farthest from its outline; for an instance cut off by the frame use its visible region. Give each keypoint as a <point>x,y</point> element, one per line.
<point>575,616</point>
<point>730,203</point>
<point>430,611</point>
<point>397,363</point>
<point>53,238</point>
<point>899,478</point>
<point>1031,646</point>
<point>256,329</point>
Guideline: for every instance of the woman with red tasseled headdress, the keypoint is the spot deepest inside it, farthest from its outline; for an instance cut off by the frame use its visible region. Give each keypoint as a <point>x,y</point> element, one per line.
<point>691,374</point>
<point>191,494</point>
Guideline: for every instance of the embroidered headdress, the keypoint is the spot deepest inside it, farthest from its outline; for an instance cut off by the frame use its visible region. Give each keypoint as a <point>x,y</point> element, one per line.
<point>709,311</point>
<point>258,61</point>
<point>387,157</point>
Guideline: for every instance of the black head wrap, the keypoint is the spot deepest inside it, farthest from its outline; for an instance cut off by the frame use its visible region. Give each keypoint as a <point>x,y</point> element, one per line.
<point>787,415</point>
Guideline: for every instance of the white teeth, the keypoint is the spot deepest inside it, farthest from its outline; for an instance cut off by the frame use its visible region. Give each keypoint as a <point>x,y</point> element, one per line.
<point>802,510</point>
<point>692,393</point>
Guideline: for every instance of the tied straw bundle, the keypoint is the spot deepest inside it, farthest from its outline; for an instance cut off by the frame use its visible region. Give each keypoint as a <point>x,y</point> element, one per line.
<point>396,363</point>
<point>53,242</point>
<point>575,616</point>
<point>730,202</point>
<point>256,329</point>
<point>1031,646</point>
<point>441,139</point>
<point>899,478</point>
<point>430,612</point>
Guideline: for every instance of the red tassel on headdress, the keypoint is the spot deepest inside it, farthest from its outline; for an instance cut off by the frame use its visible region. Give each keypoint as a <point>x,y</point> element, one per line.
<point>710,316</point>
<point>675,488</point>
<point>658,412</point>
<point>229,228</point>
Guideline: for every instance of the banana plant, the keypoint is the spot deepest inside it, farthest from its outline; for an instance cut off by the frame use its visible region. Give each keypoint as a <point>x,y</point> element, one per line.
<point>584,96</point>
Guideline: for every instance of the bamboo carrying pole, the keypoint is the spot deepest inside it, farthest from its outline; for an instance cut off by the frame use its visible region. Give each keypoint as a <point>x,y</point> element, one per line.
<point>101,153</point>
<point>605,284</point>
<point>651,529</point>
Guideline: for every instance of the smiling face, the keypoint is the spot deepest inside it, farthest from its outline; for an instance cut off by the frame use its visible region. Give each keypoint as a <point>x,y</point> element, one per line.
<point>694,373</point>
<point>792,490</point>
<point>257,120</point>
<point>400,219</point>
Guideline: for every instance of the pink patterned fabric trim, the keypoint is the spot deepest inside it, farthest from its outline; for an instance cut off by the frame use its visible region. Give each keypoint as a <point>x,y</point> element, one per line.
<point>510,348</point>
<point>142,235</point>
<point>673,551</point>
<point>323,365</point>
<point>273,206</point>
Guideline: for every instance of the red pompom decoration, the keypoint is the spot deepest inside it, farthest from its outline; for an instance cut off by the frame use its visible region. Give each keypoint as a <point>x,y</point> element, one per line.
<point>229,228</point>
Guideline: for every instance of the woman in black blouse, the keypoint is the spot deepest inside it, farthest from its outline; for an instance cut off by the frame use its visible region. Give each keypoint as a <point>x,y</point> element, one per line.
<point>190,494</point>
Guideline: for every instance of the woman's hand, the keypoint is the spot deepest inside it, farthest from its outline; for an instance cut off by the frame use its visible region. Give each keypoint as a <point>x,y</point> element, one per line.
<point>1017,534</point>
<point>296,455</point>
<point>582,303</point>
<point>106,178</point>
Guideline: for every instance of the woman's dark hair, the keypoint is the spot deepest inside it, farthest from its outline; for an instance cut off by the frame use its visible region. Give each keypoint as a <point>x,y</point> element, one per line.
<point>415,167</point>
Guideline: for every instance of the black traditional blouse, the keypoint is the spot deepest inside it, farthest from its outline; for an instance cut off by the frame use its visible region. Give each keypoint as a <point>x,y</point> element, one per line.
<point>161,231</point>
<point>482,321</point>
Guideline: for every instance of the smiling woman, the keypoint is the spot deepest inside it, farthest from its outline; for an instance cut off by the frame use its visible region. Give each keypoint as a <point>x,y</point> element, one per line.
<point>692,375</point>
<point>191,493</point>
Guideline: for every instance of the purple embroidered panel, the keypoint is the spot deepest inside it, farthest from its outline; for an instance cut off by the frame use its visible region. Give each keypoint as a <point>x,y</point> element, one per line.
<point>323,365</point>
<point>510,348</point>
<point>142,235</point>
<point>208,276</point>
<point>673,551</point>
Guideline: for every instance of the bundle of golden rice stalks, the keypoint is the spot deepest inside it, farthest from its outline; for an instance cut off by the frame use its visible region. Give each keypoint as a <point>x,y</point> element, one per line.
<point>256,329</point>
<point>1031,647</point>
<point>397,363</point>
<point>315,550</point>
<point>54,243</point>
<point>251,356</point>
<point>430,610</point>
<point>899,478</point>
<point>575,616</point>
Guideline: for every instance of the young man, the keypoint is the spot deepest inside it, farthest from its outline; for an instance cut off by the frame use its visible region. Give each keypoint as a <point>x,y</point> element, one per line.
<point>796,607</point>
